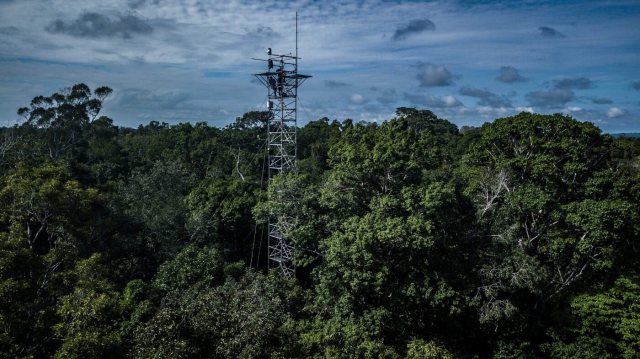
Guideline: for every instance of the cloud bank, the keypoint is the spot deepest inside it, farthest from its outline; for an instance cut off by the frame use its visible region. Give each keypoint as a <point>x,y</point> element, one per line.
<point>560,93</point>
<point>96,25</point>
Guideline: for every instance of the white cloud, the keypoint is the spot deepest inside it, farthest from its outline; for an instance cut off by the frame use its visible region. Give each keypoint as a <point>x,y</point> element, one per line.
<point>525,109</point>
<point>571,109</point>
<point>450,101</point>
<point>493,111</point>
<point>356,99</point>
<point>447,101</point>
<point>431,75</point>
<point>614,112</point>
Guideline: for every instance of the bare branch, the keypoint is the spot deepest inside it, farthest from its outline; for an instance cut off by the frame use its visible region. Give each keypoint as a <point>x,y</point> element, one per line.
<point>237,156</point>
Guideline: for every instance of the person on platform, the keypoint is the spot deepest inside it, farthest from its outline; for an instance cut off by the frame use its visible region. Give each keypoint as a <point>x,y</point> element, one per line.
<point>272,83</point>
<point>280,73</point>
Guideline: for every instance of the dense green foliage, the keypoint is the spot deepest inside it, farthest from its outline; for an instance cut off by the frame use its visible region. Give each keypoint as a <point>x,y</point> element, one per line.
<point>414,239</point>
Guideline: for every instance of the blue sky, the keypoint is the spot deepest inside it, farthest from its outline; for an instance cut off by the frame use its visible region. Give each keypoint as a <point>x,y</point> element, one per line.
<point>467,61</point>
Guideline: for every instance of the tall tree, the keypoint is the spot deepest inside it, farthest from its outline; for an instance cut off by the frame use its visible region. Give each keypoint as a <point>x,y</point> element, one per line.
<point>65,116</point>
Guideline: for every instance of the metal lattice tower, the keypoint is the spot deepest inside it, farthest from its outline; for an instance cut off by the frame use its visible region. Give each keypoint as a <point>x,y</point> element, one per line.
<point>282,81</point>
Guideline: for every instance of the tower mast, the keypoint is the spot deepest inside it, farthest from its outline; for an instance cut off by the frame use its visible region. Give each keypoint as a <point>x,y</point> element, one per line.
<point>281,80</point>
